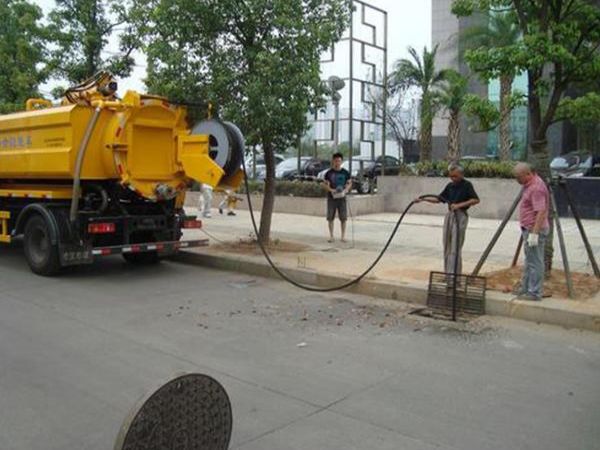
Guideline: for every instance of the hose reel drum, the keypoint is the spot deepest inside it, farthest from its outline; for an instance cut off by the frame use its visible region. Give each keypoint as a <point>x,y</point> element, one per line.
<point>226,144</point>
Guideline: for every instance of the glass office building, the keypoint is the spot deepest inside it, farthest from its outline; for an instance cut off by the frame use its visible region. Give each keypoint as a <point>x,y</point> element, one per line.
<point>518,122</point>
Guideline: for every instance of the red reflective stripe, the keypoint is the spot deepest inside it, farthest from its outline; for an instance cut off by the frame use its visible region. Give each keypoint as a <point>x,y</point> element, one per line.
<point>101,228</point>
<point>135,248</point>
<point>192,224</point>
<point>160,247</point>
<point>106,251</point>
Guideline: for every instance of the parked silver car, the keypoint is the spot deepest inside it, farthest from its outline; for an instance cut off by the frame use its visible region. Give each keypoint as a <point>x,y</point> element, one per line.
<point>261,168</point>
<point>574,164</point>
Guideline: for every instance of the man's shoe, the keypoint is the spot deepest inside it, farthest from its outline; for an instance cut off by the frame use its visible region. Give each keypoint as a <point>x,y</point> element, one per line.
<point>528,297</point>
<point>231,213</point>
<point>518,289</point>
<point>220,210</point>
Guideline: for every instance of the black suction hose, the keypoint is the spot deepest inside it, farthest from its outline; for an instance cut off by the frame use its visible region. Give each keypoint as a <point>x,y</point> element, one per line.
<point>314,288</point>
<point>456,257</point>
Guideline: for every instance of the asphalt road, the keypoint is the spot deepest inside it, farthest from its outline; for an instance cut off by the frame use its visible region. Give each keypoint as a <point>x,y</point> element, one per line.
<point>78,351</point>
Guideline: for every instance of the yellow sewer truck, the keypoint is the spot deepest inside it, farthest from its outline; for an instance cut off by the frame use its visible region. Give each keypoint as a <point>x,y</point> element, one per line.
<point>100,176</point>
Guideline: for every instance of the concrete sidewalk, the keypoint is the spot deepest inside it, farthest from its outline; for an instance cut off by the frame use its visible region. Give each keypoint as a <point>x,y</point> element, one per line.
<point>403,272</point>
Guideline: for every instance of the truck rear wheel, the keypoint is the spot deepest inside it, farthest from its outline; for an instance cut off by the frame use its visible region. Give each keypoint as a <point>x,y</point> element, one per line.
<point>40,253</point>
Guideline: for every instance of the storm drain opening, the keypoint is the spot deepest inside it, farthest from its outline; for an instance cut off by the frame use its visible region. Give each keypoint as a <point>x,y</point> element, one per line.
<point>451,295</point>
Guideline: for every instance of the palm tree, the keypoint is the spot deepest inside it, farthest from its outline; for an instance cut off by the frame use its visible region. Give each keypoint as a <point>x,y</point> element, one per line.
<point>500,30</point>
<point>420,72</point>
<point>452,98</point>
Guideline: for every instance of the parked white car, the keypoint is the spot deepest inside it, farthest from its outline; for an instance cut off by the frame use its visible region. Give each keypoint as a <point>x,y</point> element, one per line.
<point>261,168</point>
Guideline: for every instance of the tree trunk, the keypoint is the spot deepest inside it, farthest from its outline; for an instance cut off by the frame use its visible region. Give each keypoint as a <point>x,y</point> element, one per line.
<point>426,129</point>
<point>595,140</point>
<point>587,138</point>
<point>540,158</point>
<point>454,137</point>
<point>541,162</point>
<point>540,122</point>
<point>538,153</point>
<point>93,43</point>
<point>264,234</point>
<point>504,134</point>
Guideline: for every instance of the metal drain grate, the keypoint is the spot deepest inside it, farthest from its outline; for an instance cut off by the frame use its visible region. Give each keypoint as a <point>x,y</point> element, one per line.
<point>470,293</point>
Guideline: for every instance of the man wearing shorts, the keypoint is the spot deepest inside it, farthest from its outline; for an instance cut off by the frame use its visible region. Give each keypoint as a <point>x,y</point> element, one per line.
<point>338,183</point>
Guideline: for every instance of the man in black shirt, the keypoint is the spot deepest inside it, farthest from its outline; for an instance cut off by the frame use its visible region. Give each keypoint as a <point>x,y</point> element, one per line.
<point>338,183</point>
<point>459,195</point>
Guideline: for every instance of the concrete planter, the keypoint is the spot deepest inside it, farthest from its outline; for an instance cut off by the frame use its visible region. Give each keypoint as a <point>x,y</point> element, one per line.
<point>585,193</point>
<point>496,195</point>
<point>359,204</point>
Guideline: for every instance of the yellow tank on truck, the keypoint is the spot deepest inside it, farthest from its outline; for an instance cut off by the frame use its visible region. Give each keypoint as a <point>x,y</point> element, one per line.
<point>142,142</point>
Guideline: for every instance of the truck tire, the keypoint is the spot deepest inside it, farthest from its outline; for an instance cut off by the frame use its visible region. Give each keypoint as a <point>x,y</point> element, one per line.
<point>146,258</point>
<point>40,253</point>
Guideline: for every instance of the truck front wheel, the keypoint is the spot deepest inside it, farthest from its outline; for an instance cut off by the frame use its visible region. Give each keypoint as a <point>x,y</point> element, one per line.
<point>40,253</point>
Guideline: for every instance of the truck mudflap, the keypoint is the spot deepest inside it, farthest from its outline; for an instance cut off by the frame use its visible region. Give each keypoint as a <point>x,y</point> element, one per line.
<point>163,248</point>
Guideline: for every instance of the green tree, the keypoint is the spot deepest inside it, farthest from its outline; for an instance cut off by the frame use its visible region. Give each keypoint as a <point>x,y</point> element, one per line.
<point>498,30</point>
<point>584,112</point>
<point>81,31</point>
<point>558,49</point>
<point>451,97</point>
<point>258,61</point>
<point>484,115</point>
<point>420,72</point>
<point>22,43</point>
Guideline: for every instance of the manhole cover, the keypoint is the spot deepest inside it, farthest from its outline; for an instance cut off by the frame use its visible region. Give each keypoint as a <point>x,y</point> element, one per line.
<point>191,412</point>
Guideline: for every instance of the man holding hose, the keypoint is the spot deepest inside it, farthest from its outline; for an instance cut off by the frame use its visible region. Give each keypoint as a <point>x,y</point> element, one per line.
<point>459,195</point>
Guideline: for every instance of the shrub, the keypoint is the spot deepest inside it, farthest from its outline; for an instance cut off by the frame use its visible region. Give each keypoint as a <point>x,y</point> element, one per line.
<point>256,187</point>
<point>289,188</point>
<point>473,169</point>
<point>489,169</point>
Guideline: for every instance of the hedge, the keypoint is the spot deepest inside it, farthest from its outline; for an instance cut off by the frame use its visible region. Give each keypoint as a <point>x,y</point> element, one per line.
<point>288,188</point>
<point>473,169</point>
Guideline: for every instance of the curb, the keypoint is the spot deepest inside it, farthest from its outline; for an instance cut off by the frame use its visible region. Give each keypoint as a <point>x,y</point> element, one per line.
<point>550,311</point>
